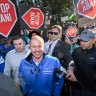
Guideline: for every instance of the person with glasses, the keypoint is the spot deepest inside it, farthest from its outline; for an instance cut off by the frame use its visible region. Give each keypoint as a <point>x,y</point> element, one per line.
<point>59,49</point>
<point>51,39</point>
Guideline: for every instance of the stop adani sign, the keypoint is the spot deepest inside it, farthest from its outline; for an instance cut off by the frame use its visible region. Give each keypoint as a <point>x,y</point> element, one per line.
<point>71,31</point>
<point>8,17</point>
<point>34,18</point>
<point>87,8</point>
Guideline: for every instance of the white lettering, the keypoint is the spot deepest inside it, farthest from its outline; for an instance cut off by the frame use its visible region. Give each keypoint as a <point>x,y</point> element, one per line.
<point>37,19</point>
<point>93,3</point>
<point>5,18</point>
<point>34,18</point>
<point>87,5</point>
<point>4,7</point>
<point>84,9</point>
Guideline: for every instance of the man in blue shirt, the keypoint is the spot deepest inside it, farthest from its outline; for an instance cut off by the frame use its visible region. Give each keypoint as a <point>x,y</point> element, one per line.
<point>38,73</point>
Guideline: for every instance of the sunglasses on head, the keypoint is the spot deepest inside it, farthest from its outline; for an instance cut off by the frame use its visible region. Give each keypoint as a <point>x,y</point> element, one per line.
<point>51,33</point>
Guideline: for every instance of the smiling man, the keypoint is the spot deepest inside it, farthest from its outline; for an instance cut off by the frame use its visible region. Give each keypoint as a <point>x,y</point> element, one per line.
<point>37,73</point>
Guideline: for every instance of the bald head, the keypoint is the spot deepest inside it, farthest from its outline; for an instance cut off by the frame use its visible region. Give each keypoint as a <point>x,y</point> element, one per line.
<point>37,47</point>
<point>37,38</point>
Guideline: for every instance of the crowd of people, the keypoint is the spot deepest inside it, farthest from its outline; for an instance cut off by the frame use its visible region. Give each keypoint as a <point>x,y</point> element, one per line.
<point>54,67</point>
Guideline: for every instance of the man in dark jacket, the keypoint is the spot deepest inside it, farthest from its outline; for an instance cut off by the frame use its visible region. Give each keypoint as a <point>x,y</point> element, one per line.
<point>85,66</point>
<point>59,49</point>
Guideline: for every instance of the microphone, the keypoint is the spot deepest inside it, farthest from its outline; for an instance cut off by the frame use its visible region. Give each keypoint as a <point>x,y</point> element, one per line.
<point>60,72</point>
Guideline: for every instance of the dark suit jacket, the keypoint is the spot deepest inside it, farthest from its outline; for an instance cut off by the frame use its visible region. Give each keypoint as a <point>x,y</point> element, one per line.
<point>62,53</point>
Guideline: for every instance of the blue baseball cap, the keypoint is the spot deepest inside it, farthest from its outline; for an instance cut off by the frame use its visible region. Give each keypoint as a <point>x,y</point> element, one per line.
<point>86,35</point>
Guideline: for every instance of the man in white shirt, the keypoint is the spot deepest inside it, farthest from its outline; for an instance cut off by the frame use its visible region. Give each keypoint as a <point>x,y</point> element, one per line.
<point>14,57</point>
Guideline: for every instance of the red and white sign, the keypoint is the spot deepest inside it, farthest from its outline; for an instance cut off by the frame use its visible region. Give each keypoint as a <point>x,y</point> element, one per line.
<point>71,32</point>
<point>87,8</point>
<point>8,17</point>
<point>34,18</point>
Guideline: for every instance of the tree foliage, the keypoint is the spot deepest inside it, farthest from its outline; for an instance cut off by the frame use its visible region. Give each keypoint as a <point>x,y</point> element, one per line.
<point>59,8</point>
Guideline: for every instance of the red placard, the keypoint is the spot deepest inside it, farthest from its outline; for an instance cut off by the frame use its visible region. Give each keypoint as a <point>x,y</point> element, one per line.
<point>34,18</point>
<point>8,17</point>
<point>71,32</point>
<point>87,8</point>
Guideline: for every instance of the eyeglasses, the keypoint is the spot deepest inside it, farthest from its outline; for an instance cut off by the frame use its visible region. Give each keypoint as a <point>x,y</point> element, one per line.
<point>51,33</point>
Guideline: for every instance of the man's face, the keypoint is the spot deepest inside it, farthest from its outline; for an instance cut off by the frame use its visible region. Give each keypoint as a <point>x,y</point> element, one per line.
<point>86,45</point>
<point>19,45</point>
<point>55,33</point>
<point>37,48</point>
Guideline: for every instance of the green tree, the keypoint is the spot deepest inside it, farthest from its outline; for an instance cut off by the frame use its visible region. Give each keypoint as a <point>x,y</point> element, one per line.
<point>58,8</point>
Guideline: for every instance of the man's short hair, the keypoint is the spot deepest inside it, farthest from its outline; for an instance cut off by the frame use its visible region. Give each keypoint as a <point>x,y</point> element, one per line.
<point>18,37</point>
<point>58,27</point>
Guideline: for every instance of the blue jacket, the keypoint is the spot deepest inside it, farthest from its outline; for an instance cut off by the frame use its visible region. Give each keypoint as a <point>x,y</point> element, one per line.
<point>2,63</point>
<point>41,80</point>
<point>4,49</point>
